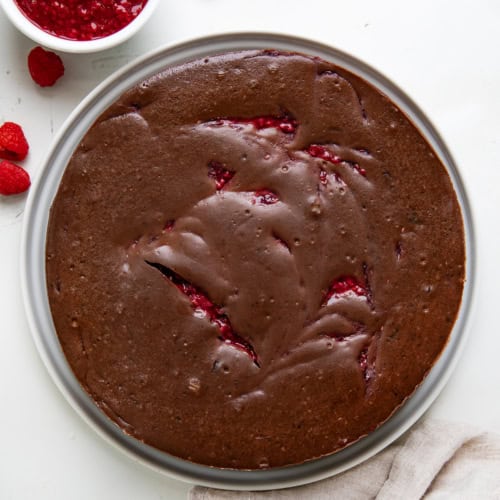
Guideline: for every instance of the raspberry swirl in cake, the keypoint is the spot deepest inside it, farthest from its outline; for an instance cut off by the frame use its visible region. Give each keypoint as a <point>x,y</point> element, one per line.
<point>253,259</point>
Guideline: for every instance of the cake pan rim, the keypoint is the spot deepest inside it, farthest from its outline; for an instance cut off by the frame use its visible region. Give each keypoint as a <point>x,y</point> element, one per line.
<point>33,270</point>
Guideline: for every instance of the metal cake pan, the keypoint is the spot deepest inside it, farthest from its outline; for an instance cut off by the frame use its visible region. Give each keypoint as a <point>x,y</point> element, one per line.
<point>35,294</point>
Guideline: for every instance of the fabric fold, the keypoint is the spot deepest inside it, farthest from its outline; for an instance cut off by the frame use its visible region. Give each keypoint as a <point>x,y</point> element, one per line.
<point>435,460</point>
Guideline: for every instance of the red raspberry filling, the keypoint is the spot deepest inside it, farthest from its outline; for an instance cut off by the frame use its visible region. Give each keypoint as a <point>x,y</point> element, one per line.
<point>169,225</point>
<point>220,174</point>
<point>321,152</point>
<point>344,285</point>
<point>266,197</point>
<point>285,123</point>
<point>318,151</point>
<point>200,302</point>
<point>323,177</point>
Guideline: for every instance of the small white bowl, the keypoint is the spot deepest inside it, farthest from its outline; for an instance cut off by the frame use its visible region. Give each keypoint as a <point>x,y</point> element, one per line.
<point>31,30</point>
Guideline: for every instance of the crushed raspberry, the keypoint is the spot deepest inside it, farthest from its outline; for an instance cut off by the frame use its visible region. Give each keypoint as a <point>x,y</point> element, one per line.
<point>345,285</point>
<point>318,151</point>
<point>220,173</point>
<point>200,302</point>
<point>81,19</point>
<point>45,67</point>
<point>266,197</point>
<point>357,167</point>
<point>13,178</point>
<point>13,144</point>
<point>284,123</point>
<point>323,177</point>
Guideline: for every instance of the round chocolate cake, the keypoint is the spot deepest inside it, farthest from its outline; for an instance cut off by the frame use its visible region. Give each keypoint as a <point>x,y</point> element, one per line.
<point>253,259</point>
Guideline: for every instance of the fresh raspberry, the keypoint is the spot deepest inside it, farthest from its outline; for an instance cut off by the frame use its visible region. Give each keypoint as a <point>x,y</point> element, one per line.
<point>13,144</point>
<point>13,178</point>
<point>45,67</point>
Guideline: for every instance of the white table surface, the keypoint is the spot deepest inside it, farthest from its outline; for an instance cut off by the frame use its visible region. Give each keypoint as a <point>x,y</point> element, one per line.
<point>445,54</point>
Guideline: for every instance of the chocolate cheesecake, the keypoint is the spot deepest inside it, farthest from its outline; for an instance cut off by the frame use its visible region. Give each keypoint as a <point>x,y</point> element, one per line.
<point>253,259</point>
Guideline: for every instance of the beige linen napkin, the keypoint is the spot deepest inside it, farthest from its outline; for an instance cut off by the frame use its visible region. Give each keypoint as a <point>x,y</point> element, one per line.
<point>435,460</point>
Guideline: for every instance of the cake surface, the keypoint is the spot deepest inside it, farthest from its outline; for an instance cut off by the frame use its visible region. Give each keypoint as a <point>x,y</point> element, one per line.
<point>253,259</point>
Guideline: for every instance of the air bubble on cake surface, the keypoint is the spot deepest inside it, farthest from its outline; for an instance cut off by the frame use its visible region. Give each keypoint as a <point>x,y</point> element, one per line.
<point>194,385</point>
<point>315,208</point>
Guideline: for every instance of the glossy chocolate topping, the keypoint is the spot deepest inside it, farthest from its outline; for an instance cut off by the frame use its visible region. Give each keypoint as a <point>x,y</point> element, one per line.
<point>253,260</point>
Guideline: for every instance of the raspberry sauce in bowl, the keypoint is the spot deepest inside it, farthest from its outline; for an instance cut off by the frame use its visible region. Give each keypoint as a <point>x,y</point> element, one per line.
<point>79,25</point>
<point>81,19</point>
